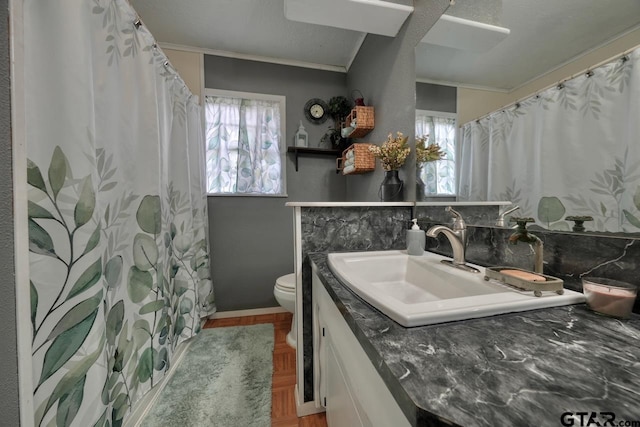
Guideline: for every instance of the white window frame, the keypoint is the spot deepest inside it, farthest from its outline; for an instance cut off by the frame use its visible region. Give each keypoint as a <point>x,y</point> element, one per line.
<point>282,148</point>
<point>446,115</point>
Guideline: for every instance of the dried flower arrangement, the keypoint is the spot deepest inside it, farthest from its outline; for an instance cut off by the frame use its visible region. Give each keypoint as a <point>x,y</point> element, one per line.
<point>429,153</point>
<point>393,152</point>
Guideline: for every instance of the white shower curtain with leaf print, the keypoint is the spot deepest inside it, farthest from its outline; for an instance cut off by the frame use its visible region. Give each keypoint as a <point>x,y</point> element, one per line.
<point>119,264</point>
<point>571,150</point>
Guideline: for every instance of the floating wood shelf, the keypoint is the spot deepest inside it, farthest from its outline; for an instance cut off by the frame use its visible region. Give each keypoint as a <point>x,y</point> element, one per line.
<point>313,151</point>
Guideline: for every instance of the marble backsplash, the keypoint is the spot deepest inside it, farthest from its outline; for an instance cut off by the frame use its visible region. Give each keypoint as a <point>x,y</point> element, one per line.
<point>336,229</point>
<point>354,228</point>
<point>568,256</point>
<point>476,215</point>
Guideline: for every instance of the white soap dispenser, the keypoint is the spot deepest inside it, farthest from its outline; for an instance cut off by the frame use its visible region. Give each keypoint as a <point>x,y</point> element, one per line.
<point>416,239</point>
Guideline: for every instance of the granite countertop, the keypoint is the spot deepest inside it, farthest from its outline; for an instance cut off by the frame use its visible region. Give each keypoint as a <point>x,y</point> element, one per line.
<point>518,369</point>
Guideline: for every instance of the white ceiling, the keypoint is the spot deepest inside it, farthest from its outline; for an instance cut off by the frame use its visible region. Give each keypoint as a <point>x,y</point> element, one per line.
<point>248,27</point>
<point>544,35</point>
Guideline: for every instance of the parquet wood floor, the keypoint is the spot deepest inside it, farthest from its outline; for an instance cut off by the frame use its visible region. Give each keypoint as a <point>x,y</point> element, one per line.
<point>283,404</point>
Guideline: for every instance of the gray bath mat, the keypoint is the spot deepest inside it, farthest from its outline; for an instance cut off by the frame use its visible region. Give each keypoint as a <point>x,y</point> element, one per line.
<point>224,380</point>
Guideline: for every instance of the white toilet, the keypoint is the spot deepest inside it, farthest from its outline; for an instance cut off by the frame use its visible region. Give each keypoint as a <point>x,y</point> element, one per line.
<point>285,293</point>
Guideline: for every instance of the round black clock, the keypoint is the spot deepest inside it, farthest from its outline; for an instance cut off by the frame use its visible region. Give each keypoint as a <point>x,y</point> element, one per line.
<point>315,110</point>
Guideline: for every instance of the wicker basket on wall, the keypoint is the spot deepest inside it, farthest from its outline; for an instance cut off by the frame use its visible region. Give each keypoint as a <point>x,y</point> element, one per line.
<point>365,121</point>
<point>363,159</point>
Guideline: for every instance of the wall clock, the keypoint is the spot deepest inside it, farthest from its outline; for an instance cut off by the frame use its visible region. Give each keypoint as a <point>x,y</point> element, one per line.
<point>315,110</point>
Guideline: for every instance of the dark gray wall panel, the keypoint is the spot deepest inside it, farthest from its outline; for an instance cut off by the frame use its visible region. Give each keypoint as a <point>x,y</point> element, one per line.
<point>251,245</point>
<point>252,237</point>
<point>436,97</point>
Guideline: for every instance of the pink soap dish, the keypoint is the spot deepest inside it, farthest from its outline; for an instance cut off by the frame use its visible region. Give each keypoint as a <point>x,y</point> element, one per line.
<point>609,297</point>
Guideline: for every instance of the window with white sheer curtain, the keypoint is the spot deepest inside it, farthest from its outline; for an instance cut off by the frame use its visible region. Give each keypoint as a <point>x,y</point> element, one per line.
<point>244,143</point>
<point>439,177</point>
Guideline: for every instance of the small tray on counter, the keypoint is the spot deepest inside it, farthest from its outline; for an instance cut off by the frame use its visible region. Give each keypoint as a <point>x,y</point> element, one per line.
<point>549,284</point>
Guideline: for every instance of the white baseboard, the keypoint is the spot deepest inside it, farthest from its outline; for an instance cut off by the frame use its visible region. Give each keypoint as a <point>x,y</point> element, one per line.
<point>251,312</point>
<point>142,407</point>
<point>306,408</point>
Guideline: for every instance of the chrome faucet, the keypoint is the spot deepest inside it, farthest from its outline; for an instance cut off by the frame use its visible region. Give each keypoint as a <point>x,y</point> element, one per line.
<point>500,220</point>
<point>457,236</point>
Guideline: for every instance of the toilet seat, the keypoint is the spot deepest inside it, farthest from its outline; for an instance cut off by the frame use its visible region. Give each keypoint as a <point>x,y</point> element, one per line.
<point>286,283</point>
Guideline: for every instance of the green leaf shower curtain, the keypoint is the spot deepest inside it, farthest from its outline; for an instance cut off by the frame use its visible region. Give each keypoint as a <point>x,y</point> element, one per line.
<point>570,150</point>
<point>243,148</point>
<point>119,267</point>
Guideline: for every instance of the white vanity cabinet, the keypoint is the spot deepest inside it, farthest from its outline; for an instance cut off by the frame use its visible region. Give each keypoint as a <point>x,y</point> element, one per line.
<point>346,382</point>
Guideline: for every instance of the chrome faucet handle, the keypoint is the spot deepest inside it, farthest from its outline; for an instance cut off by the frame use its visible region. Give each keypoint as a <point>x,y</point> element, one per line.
<point>500,221</point>
<point>458,221</point>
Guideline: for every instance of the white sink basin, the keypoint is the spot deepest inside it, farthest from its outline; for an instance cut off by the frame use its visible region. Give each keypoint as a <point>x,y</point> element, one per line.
<point>420,290</point>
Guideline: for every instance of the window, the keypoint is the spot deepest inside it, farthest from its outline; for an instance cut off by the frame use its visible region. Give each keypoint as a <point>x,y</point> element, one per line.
<point>439,177</point>
<point>244,143</point>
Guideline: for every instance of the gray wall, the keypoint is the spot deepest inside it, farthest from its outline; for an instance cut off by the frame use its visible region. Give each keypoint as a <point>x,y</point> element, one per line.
<point>252,237</point>
<point>9,403</point>
<point>436,97</point>
<point>384,71</point>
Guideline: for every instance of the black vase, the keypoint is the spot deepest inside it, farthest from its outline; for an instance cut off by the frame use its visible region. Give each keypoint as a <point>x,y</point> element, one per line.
<point>391,187</point>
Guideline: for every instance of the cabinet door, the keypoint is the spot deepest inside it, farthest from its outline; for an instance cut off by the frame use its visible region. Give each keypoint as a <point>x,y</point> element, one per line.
<point>355,393</point>
<point>341,408</point>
